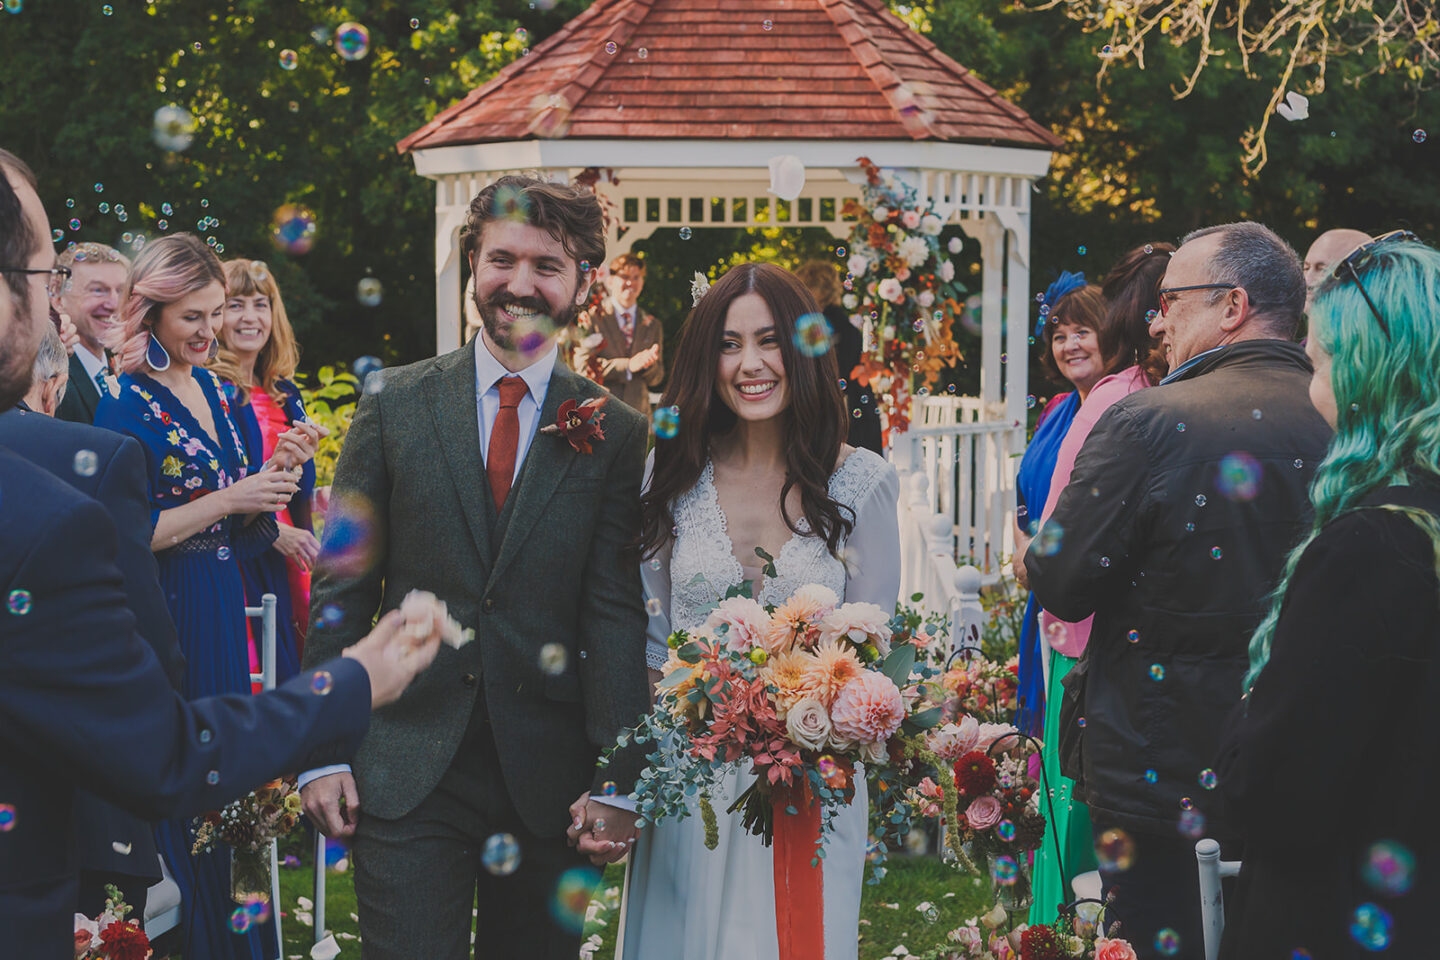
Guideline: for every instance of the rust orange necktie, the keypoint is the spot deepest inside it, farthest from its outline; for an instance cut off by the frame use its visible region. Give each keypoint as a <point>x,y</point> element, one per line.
<point>504,440</point>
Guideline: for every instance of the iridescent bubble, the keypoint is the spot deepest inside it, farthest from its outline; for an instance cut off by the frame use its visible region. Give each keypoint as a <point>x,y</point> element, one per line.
<point>1299,464</point>
<point>1080,722</point>
<point>1115,851</point>
<point>1005,830</point>
<point>812,334</point>
<point>1186,803</point>
<point>1133,636</point>
<point>222,553</point>
<point>1239,476</point>
<point>1189,528</point>
<point>611,47</point>
<point>608,788</point>
<point>1371,926</point>
<point>1256,415</point>
<point>1030,402</point>
<point>685,233</point>
<point>553,658</point>
<point>1216,553</point>
<point>521,34</point>
<point>1192,824</point>
<point>1150,315</point>
<point>1005,871</point>
<point>642,53</point>
<point>18,603</point>
<point>75,224</point>
<point>289,59</point>
<point>572,897</point>
<point>840,252</point>
<point>1179,428</point>
<point>352,40</point>
<point>1157,672</point>
<point>369,291</point>
<point>550,115</point>
<point>1080,250</point>
<point>7,815</point>
<point>1207,779</point>
<point>857,413</point>
<point>86,463</point>
<point>666,421</point>
<point>292,228</point>
<point>213,777</point>
<point>1104,561</point>
<point>767,25</point>
<point>1151,776</point>
<point>57,235</point>
<point>349,547</point>
<point>414,23</point>
<point>1149,248</point>
<point>258,908</point>
<point>653,607</point>
<point>172,128</point>
<point>1167,942</point>
<point>104,208</point>
<point>1040,298</point>
<point>501,854</point>
<point>1048,540</point>
<point>331,615</point>
<point>1418,136</point>
<point>1389,868</point>
<point>99,187</point>
<point>240,920</point>
<point>14,6</point>
<point>843,383</point>
<point>1200,500</point>
<point>321,683</point>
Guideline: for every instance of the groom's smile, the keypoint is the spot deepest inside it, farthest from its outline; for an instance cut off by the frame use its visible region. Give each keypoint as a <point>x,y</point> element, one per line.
<point>527,286</point>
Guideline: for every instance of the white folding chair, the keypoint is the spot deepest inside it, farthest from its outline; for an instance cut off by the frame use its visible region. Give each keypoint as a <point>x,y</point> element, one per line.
<point>1212,903</point>
<point>265,613</point>
<point>162,905</point>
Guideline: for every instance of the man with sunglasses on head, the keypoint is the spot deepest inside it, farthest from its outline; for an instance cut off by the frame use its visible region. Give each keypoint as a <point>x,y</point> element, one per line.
<point>1172,532</point>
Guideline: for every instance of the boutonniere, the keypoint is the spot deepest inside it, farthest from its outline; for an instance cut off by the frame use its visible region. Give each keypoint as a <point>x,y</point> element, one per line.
<point>579,423</point>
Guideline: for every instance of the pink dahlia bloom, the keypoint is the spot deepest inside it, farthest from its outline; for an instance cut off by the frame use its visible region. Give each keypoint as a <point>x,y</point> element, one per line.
<point>868,709</point>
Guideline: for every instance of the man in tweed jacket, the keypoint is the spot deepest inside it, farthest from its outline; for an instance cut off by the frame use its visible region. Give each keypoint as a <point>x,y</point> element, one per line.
<point>453,480</point>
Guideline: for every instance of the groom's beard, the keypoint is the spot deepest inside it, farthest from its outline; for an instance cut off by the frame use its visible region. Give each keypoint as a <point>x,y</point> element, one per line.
<point>522,337</point>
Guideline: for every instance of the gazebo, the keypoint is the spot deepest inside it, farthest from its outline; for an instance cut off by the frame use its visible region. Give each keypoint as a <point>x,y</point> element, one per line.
<point>687,101</point>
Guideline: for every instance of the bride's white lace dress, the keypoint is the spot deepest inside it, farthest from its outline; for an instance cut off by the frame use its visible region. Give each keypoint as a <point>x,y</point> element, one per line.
<point>684,901</point>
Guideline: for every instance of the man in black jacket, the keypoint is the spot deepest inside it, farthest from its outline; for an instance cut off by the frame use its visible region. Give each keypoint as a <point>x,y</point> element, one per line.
<point>1172,532</point>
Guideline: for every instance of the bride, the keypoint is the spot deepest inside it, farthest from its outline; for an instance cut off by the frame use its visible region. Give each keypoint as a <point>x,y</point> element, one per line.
<point>759,462</point>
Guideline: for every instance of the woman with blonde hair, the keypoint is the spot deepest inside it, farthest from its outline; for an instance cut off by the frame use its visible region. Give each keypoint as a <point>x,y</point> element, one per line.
<point>257,359</point>
<point>213,508</point>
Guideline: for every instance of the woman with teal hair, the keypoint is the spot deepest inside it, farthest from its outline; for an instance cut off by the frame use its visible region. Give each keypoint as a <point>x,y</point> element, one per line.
<point>1332,765</point>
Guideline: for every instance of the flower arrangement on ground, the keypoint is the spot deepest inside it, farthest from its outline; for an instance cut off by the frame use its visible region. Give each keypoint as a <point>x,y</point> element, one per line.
<point>996,936</point>
<point>903,287</point>
<point>247,826</point>
<point>110,936</point>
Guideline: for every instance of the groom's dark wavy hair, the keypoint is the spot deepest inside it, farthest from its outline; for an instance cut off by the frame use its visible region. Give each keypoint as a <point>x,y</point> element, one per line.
<point>816,412</point>
<point>571,215</point>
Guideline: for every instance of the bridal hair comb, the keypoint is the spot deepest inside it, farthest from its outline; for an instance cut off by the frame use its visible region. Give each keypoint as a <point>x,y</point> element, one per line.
<point>699,287</point>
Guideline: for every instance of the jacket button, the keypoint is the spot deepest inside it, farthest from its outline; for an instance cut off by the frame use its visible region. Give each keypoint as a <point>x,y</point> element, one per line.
<point>489,605</point>
<point>468,679</point>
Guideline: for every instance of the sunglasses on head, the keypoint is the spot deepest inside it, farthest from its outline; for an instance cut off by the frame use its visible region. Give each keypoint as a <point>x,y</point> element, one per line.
<point>1349,269</point>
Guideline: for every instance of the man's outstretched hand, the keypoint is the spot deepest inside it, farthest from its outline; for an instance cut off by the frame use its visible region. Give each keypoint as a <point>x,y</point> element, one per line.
<point>602,832</point>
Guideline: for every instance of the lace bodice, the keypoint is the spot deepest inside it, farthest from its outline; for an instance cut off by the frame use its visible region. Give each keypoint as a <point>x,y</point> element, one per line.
<point>703,565</point>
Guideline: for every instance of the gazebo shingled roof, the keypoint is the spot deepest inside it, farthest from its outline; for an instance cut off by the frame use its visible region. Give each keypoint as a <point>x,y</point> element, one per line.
<point>826,69</point>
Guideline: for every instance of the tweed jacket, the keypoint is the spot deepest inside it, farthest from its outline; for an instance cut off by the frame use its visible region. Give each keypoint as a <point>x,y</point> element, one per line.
<point>614,355</point>
<point>554,567</point>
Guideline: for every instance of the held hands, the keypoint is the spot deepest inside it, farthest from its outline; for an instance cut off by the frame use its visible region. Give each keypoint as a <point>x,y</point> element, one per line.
<point>332,804</point>
<point>267,490</point>
<point>645,359</point>
<point>298,545</point>
<point>602,832</point>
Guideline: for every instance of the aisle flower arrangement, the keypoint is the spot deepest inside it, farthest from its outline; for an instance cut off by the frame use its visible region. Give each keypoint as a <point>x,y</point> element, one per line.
<point>247,826</point>
<point>111,936</point>
<point>904,291</point>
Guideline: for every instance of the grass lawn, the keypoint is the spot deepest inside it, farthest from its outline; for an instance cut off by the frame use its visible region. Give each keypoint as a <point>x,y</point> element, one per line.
<point>888,914</point>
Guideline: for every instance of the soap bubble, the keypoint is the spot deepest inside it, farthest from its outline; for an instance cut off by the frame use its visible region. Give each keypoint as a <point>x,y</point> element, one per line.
<point>642,53</point>
<point>1239,476</point>
<point>501,854</point>
<point>86,463</point>
<point>351,543</point>
<point>352,40</point>
<point>1192,824</point>
<point>550,116</point>
<point>767,24</point>
<point>1167,942</point>
<point>1005,830</point>
<point>289,59</point>
<point>685,233</point>
<point>18,603</point>
<point>1389,868</point>
<point>240,920</point>
<point>7,817</point>
<point>611,47</point>
<point>812,334</point>
<point>1418,136</point>
<point>172,128</point>
<point>666,421</point>
<point>572,897</point>
<point>321,683</point>
<point>1115,851</point>
<point>292,228</point>
<point>369,291</point>
<point>653,607</point>
<point>1157,672</point>
<point>1208,779</point>
<point>553,658</point>
<point>1370,926</point>
<point>1048,540</point>
<point>1151,776</point>
<point>1005,871</point>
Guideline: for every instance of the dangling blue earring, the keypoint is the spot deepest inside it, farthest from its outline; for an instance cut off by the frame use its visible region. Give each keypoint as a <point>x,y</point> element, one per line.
<point>156,356</point>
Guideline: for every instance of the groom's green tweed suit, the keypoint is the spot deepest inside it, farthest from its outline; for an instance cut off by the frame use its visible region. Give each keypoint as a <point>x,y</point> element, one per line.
<point>553,567</point>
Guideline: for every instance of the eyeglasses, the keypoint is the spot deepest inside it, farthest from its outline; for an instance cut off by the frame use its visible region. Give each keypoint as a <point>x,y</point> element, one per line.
<point>1167,295</point>
<point>1349,269</point>
<point>55,273</point>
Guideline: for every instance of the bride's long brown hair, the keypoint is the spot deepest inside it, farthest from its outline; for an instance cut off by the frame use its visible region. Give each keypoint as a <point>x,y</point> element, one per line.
<point>815,415</point>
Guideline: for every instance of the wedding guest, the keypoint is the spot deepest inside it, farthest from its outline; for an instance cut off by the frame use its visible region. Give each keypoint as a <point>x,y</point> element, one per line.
<point>90,298</point>
<point>77,685</point>
<point>1171,532</point>
<point>213,510</point>
<point>629,352</point>
<point>1068,331</point>
<point>1131,356</point>
<point>49,375</point>
<point>822,279</point>
<point>257,359</point>
<point>1328,249</point>
<point>1346,658</point>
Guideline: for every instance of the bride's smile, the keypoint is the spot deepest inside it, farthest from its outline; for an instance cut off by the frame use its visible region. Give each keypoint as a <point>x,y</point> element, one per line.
<point>751,376</point>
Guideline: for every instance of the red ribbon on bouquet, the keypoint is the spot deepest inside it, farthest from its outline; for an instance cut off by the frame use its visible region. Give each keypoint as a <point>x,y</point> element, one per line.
<point>799,887</point>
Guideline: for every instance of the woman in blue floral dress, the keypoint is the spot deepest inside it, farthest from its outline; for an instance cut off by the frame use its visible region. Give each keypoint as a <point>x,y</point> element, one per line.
<point>211,508</point>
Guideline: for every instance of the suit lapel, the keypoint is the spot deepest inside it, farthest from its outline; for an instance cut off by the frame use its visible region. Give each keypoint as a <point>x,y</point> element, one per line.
<point>454,411</point>
<point>546,464</point>
<point>615,345</point>
<point>81,382</point>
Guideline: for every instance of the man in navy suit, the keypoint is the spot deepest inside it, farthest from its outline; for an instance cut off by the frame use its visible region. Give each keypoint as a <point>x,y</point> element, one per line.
<point>83,700</point>
<point>114,847</point>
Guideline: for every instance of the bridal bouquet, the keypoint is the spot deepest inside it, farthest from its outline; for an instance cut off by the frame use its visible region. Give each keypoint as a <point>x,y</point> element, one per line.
<point>802,692</point>
<point>247,826</point>
<point>110,936</point>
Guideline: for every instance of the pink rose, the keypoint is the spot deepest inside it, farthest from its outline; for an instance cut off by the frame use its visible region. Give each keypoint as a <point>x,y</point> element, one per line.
<point>902,274</point>
<point>1113,950</point>
<point>911,219</point>
<point>990,732</point>
<point>983,813</point>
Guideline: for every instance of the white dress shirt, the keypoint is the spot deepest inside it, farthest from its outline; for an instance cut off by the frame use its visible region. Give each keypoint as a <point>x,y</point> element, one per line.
<point>488,374</point>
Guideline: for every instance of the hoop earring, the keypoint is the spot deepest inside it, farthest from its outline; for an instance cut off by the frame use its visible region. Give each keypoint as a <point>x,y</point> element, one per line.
<point>156,356</point>
<point>214,350</point>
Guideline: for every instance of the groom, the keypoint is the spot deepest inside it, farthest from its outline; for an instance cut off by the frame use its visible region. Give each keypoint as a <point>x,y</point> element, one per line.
<point>448,482</point>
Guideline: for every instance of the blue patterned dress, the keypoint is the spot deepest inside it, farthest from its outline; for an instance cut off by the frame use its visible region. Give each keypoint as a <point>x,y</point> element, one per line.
<point>202,581</point>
